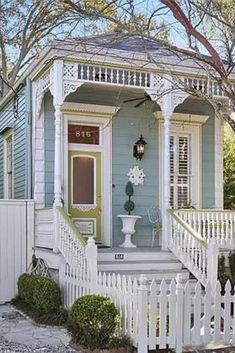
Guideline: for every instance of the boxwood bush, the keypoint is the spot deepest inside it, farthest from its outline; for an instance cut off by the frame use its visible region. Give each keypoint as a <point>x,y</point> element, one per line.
<point>46,295</point>
<point>25,285</point>
<point>40,298</point>
<point>92,321</point>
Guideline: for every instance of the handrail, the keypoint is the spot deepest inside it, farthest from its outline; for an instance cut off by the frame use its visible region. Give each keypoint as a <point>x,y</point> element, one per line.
<point>211,224</point>
<point>188,228</point>
<point>71,224</point>
<point>70,242</point>
<point>192,250</point>
<point>197,210</point>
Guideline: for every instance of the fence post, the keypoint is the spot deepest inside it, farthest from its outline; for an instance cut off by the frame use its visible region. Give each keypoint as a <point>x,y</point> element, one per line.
<point>62,282</point>
<point>142,293</point>
<point>212,263</point>
<point>91,257</point>
<point>179,313</point>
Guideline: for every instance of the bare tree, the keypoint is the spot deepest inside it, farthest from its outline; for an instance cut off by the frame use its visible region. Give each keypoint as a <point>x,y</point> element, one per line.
<point>208,27</point>
<point>26,26</point>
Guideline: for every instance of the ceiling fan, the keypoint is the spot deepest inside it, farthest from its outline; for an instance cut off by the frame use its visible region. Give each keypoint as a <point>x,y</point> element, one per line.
<point>143,100</point>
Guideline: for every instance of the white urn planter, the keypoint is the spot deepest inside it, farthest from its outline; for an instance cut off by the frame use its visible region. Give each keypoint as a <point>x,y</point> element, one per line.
<point>128,229</point>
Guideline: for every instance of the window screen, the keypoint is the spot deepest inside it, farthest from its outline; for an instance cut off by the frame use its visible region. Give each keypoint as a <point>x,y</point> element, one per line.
<point>83,180</point>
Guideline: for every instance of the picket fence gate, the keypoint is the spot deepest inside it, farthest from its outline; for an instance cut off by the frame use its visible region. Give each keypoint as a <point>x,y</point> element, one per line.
<point>161,315</point>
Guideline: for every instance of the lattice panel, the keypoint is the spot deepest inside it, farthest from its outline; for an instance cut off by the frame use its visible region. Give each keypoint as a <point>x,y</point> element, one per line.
<point>70,71</point>
<point>158,83</point>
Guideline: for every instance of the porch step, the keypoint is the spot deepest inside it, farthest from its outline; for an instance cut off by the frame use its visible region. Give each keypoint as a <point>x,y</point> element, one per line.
<point>140,265</point>
<point>152,262</point>
<point>137,254</point>
<point>157,275</point>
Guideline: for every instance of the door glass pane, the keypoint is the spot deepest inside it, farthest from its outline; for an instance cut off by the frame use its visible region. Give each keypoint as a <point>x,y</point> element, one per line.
<point>183,155</point>
<point>83,180</point>
<point>89,135</point>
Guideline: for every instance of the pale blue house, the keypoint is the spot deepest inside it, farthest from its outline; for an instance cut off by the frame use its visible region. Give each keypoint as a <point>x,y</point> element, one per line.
<point>80,110</point>
<point>15,143</point>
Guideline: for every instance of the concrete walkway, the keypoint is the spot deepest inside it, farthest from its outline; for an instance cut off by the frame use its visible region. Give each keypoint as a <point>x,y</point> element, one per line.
<point>20,334</point>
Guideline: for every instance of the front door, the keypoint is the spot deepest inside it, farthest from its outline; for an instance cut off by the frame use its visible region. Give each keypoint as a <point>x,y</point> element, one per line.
<point>85,199</point>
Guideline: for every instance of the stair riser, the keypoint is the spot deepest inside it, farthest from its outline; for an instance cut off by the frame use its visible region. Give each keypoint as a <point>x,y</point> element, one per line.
<point>144,256</point>
<point>121,266</point>
<point>159,276</point>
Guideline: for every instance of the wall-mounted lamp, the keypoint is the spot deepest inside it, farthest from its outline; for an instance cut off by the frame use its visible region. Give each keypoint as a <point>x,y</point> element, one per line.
<point>138,148</point>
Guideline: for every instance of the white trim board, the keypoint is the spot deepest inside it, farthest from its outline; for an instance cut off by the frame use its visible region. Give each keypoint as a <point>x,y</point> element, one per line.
<point>193,119</point>
<point>91,109</point>
<point>218,153</point>
<point>6,135</point>
<point>105,146</point>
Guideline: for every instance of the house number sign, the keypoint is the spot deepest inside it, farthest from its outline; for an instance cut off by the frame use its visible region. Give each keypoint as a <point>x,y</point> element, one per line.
<point>84,134</point>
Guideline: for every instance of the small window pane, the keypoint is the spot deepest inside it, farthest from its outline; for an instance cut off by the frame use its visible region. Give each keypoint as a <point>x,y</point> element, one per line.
<point>89,135</point>
<point>83,180</point>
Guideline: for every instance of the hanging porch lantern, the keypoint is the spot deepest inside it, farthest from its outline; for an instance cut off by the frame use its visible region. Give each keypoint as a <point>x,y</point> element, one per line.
<point>139,148</point>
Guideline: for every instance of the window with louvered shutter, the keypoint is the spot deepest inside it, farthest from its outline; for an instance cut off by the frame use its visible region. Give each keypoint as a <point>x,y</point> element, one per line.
<point>180,170</point>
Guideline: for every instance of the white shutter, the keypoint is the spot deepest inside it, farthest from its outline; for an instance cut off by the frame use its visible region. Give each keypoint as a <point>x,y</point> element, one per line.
<point>180,170</point>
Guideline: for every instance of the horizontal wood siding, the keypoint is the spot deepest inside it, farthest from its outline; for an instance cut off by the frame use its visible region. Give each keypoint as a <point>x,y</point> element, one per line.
<point>127,127</point>
<point>49,140</point>
<point>18,124</point>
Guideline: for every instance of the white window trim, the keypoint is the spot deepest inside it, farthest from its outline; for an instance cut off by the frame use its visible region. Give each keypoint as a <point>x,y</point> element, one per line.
<point>5,137</point>
<point>196,159</point>
<point>92,114</point>
<point>80,206</point>
<point>219,187</point>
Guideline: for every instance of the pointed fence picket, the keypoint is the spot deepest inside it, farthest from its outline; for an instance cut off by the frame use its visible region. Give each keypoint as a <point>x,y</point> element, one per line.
<point>169,315</point>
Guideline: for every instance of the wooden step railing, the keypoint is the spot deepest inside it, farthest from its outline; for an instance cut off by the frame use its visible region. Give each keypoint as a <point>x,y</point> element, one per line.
<point>212,224</point>
<point>197,255</point>
<point>77,252</point>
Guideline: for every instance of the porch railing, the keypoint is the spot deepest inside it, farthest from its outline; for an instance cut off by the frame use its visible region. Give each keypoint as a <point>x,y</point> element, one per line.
<point>212,224</point>
<point>197,255</point>
<point>77,253</point>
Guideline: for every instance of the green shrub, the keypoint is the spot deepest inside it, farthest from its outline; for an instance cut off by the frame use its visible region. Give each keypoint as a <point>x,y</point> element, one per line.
<point>39,297</point>
<point>223,274</point>
<point>92,321</point>
<point>46,295</point>
<point>26,283</point>
<point>231,259</point>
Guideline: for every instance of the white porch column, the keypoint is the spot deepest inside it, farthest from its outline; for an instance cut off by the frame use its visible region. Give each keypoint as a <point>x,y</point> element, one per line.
<point>58,157</point>
<point>57,102</point>
<point>166,181</point>
<point>165,91</point>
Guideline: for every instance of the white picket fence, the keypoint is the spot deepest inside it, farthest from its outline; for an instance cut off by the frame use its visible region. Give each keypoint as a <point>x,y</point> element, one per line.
<point>159,316</point>
<point>16,243</point>
<point>153,315</point>
<point>212,224</point>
